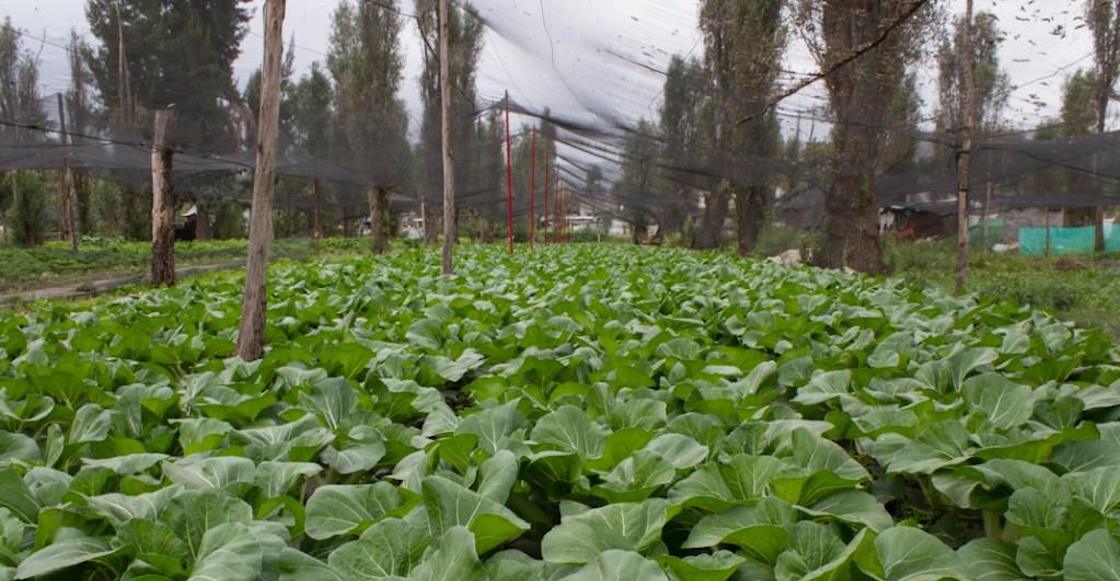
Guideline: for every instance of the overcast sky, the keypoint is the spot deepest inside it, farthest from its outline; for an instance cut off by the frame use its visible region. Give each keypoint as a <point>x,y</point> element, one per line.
<point>598,60</point>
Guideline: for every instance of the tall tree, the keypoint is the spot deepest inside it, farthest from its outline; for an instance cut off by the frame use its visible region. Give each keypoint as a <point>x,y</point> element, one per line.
<point>1103,17</point>
<point>635,190</point>
<point>366,63</point>
<point>156,53</point>
<point>79,117</point>
<point>864,47</point>
<point>22,196</point>
<point>177,52</point>
<point>1078,118</point>
<point>1079,105</point>
<point>465,38</point>
<point>20,101</point>
<point>900,150</point>
<point>745,41</point>
<point>687,137</point>
<point>993,86</point>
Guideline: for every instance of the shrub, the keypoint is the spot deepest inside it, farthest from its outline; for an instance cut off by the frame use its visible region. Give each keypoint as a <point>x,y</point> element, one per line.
<point>27,216</point>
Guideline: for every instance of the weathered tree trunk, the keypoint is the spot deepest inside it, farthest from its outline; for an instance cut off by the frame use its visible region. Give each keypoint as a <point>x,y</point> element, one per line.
<point>163,202</point>
<point>709,235</point>
<point>203,229</point>
<point>964,160</point>
<point>378,200</point>
<point>450,233</point>
<point>851,224</point>
<point>316,214</point>
<point>860,92</point>
<point>69,201</point>
<point>639,229</point>
<point>750,210</point>
<point>131,228</point>
<point>69,193</point>
<point>428,217</point>
<point>250,341</point>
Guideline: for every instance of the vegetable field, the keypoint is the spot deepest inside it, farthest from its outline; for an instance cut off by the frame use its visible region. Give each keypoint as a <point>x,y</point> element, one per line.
<point>577,413</point>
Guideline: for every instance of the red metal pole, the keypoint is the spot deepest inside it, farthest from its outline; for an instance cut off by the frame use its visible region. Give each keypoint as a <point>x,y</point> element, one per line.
<point>509,178</point>
<point>533,189</point>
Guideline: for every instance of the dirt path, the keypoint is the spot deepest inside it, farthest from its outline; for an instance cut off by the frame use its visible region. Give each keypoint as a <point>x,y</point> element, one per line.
<point>101,286</point>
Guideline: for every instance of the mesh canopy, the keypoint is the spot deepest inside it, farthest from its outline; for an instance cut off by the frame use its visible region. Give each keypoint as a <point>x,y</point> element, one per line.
<point>589,79</point>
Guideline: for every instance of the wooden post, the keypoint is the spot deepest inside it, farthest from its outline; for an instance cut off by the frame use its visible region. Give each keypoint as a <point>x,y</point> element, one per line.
<point>509,180</point>
<point>69,194</point>
<point>964,158</point>
<point>547,212</point>
<point>1098,234</point>
<point>533,189</point>
<point>556,228</point>
<point>564,226</point>
<point>163,202</point>
<point>377,221</point>
<point>987,213</point>
<point>449,230</point>
<point>316,214</point>
<point>1047,231</point>
<point>250,340</point>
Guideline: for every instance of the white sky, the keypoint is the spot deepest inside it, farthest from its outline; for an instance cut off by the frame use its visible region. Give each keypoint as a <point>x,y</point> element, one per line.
<point>590,59</point>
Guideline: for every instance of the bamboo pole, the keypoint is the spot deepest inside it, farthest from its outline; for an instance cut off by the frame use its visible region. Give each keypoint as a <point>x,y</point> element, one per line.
<point>250,342</point>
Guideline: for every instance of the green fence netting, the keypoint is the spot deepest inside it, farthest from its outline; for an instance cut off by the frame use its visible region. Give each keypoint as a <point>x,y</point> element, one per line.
<point>1076,240</point>
<point>986,232</point>
<point>1112,238</point>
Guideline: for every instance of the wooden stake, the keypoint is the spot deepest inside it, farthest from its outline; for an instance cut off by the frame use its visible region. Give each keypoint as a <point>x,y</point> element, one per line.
<point>1047,231</point>
<point>449,231</point>
<point>250,342</point>
<point>163,202</point>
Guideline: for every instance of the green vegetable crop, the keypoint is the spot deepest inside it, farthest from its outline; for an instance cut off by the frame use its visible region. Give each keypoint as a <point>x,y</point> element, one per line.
<point>576,413</point>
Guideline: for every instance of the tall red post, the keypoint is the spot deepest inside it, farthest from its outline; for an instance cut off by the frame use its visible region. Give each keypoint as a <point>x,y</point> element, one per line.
<point>533,189</point>
<point>509,178</point>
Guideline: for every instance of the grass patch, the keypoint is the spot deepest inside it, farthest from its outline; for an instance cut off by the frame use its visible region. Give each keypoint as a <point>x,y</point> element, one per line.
<point>1082,289</point>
